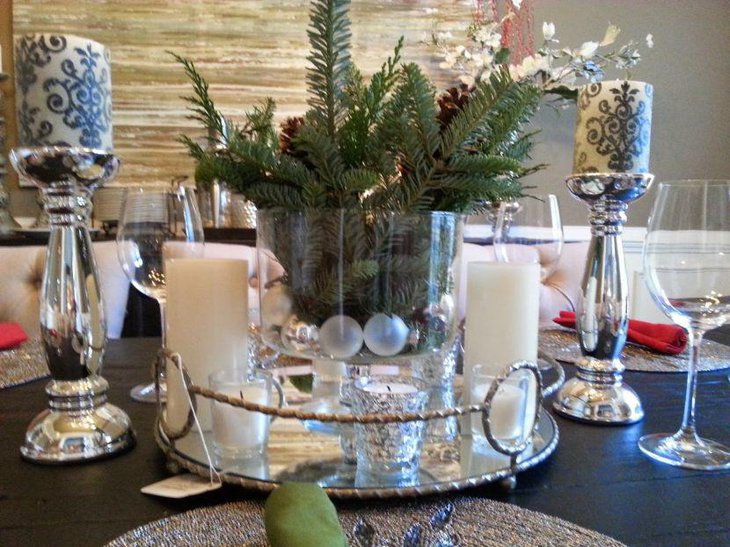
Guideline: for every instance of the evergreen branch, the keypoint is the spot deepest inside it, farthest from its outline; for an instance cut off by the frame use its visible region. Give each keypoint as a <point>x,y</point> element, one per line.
<point>476,164</point>
<point>194,148</point>
<point>497,105</point>
<point>417,98</point>
<point>502,124</point>
<point>329,37</point>
<point>323,154</point>
<point>203,106</point>
<point>259,122</point>
<point>269,195</point>
<point>365,108</point>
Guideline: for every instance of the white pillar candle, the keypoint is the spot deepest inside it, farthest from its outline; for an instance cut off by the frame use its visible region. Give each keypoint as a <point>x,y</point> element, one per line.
<point>239,432</point>
<point>502,318</point>
<point>66,97</point>
<point>207,324</point>
<point>613,129</point>
<point>502,314</point>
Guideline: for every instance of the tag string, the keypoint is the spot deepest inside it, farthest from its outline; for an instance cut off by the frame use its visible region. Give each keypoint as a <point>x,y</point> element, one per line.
<point>214,476</point>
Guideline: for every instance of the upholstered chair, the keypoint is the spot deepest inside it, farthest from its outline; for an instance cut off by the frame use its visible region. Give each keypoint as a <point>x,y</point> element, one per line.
<point>21,272</point>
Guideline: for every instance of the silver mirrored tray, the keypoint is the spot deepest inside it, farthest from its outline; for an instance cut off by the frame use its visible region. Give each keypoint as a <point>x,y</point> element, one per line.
<point>297,454</point>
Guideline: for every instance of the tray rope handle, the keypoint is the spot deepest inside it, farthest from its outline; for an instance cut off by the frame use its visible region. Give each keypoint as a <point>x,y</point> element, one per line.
<point>172,435</point>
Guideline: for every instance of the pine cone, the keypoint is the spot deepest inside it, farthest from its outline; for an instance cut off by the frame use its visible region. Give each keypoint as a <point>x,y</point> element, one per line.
<point>452,102</point>
<point>289,130</point>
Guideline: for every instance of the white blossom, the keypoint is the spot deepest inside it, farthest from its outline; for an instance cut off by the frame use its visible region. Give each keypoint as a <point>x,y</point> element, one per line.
<point>587,50</point>
<point>650,41</point>
<point>548,30</point>
<point>488,36</point>
<point>529,67</point>
<point>449,60</point>
<point>610,37</point>
<point>517,3</point>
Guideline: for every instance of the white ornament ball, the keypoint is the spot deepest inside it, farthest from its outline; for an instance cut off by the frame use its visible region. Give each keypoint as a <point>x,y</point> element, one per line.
<point>385,335</point>
<point>276,305</point>
<point>340,337</point>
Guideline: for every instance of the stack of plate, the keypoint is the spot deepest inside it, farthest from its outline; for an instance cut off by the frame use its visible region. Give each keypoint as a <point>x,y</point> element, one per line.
<point>107,204</point>
<point>146,207</point>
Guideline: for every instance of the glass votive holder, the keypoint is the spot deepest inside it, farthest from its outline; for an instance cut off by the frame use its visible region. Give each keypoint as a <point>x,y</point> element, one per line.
<point>239,433</point>
<point>512,406</point>
<point>389,452</point>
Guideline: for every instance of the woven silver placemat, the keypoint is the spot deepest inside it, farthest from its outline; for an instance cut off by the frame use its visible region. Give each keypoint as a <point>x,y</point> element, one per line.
<point>475,522</point>
<point>562,344</point>
<point>22,364</point>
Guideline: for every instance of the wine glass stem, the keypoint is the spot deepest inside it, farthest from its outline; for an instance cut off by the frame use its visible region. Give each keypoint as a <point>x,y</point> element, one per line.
<point>163,334</point>
<point>688,417</point>
<point>163,321</point>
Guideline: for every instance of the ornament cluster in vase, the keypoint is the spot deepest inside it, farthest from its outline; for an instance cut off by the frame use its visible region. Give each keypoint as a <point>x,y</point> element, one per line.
<point>341,336</point>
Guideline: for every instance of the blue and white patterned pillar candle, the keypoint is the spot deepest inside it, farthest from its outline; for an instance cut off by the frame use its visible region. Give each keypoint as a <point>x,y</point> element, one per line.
<point>63,91</point>
<point>613,131</point>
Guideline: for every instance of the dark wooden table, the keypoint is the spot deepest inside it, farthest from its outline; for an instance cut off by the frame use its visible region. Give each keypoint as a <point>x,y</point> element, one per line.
<point>597,478</point>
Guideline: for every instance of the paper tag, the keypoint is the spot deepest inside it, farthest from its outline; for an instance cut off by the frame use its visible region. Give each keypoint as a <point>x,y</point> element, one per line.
<point>180,486</point>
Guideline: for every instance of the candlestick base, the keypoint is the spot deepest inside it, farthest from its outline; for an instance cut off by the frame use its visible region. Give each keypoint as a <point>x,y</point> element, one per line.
<point>600,398</point>
<point>79,425</point>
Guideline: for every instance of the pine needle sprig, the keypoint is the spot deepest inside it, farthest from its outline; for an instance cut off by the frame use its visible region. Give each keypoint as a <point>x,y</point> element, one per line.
<point>202,106</point>
<point>260,124</point>
<point>323,154</point>
<point>329,37</point>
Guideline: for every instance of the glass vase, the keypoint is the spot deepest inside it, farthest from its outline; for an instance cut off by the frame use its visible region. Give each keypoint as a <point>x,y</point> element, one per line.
<point>358,286</point>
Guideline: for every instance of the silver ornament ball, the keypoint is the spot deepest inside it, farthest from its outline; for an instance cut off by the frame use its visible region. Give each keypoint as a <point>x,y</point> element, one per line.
<point>299,336</point>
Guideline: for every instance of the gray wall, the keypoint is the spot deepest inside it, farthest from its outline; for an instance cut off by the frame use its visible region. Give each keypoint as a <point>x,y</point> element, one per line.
<point>688,67</point>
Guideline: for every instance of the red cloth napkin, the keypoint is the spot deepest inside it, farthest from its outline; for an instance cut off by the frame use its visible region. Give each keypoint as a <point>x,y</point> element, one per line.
<point>657,336</point>
<point>11,335</point>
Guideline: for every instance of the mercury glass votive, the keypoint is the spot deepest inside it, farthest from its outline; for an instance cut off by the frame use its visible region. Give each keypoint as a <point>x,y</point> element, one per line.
<point>389,452</point>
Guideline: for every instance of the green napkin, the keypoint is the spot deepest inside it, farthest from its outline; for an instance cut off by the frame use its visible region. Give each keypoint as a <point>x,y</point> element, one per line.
<point>299,514</point>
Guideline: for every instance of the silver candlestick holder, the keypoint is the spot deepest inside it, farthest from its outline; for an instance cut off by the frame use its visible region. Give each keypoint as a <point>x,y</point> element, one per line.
<point>79,425</point>
<point>598,394</point>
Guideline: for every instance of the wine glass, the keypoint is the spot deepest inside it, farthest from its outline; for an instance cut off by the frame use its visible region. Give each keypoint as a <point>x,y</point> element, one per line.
<point>687,270</point>
<point>530,232</point>
<point>156,223</point>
